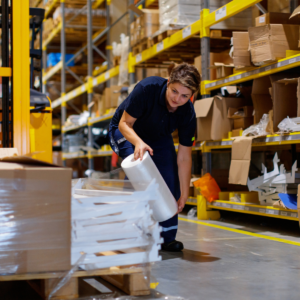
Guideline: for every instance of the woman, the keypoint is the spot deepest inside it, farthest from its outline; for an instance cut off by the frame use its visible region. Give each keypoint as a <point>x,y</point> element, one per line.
<point>145,122</point>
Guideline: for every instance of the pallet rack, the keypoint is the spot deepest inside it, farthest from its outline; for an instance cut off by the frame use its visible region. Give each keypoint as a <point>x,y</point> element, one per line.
<point>198,30</point>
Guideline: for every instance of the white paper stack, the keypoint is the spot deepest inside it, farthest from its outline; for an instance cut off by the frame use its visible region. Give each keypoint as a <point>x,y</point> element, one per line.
<point>108,216</point>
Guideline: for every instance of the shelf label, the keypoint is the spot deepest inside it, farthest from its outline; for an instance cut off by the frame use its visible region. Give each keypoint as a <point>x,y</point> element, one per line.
<point>292,60</point>
<point>247,208</point>
<point>186,32</point>
<point>284,213</point>
<point>294,215</point>
<point>83,88</point>
<point>237,207</point>
<point>279,64</point>
<point>74,93</point>
<point>262,210</point>
<point>95,81</point>
<point>160,46</point>
<point>107,75</point>
<point>267,68</point>
<point>238,77</point>
<point>221,13</point>
<point>270,212</point>
<point>138,57</point>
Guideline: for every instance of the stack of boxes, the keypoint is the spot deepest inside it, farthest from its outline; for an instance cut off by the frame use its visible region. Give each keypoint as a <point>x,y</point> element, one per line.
<point>144,26</point>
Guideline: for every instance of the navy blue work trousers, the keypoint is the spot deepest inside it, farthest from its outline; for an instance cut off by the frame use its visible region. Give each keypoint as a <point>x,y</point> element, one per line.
<point>165,159</point>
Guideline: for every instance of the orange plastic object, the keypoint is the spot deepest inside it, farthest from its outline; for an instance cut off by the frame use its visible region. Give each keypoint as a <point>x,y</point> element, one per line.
<point>208,187</point>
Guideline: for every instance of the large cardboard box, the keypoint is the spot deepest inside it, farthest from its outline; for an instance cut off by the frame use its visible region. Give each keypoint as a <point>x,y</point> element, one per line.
<point>212,118</point>
<point>241,53</point>
<point>276,18</point>
<point>35,215</point>
<point>106,98</point>
<point>222,57</point>
<point>269,43</point>
<point>114,94</point>
<point>261,98</point>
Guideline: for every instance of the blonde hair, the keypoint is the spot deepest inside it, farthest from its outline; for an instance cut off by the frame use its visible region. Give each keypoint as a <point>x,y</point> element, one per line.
<point>187,75</point>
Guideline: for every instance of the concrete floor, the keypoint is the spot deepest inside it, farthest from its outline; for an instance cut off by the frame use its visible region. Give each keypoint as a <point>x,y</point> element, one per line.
<point>220,264</point>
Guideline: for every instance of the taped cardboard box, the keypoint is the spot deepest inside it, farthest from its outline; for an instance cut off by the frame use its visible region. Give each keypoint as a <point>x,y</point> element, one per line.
<point>212,117</point>
<point>241,53</point>
<point>36,211</point>
<point>276,18</point>
<point>240,160</point>
<point>269,43</point>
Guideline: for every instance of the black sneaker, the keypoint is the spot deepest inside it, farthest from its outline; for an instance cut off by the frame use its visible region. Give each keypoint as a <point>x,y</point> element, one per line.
<point>173,246</point>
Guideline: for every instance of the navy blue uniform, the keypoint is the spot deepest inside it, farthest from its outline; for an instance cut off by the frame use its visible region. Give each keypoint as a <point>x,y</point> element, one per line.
<point>154,125</point>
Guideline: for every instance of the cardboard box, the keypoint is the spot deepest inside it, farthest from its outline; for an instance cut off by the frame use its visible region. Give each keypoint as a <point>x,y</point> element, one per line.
<point>283,90</point>
<point>261,98</point>
<point>269,43</point>
<point>241,112</point>
<point>222,69</point>
<point>106,98</point>
<point>212,120</point>
<point>98,107</point>
<point>240,160</point>
<point>242,123</point>
<point>214,57</point>
<point>241,53</point>
<point>236,132</point>
<point>114,94</point>
<point>36,213</point>
<point>276,18</point>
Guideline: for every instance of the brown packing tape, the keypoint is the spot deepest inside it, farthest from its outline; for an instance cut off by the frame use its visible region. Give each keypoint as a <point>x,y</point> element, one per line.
<point>240,160</point>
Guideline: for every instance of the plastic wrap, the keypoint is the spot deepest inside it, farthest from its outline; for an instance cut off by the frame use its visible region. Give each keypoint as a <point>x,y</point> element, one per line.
<point>43,231</point>
<point>258,129</point>
<point>180,13</point>
<point>123,69</point>
<point>165,206</point>
<point>289,125</point>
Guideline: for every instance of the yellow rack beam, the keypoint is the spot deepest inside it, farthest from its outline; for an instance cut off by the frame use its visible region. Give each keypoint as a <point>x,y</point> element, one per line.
<point>5,72</point>
<point>51,36</point>
<point>49,8</point>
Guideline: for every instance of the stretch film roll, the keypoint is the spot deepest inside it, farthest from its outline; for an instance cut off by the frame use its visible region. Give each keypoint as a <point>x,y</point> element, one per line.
<point>165,206</point>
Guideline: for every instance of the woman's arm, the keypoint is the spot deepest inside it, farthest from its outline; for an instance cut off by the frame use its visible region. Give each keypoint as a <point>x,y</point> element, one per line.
<point>126,128</point>
<point>184,161</point>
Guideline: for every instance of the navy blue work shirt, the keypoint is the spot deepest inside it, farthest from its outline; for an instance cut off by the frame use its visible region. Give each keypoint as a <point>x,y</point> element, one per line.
<point>147,103</point>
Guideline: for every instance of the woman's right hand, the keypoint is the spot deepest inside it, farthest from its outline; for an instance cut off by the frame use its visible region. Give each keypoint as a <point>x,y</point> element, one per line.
<point>140,149</point>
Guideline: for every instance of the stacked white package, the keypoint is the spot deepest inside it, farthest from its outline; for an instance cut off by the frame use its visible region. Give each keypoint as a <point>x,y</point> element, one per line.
<point>112,224</point>
<point>181,13</point>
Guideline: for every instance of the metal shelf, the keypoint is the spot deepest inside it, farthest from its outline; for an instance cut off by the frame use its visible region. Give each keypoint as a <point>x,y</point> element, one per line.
<point>74,155</point>
<point>267,211</point>
<point>281,65</point>
<point>74,127</point>
<point>192,201</point>
<point>269,140</point>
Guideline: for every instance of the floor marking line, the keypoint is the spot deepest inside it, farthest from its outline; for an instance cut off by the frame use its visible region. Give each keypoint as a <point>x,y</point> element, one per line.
<point>242,232</point>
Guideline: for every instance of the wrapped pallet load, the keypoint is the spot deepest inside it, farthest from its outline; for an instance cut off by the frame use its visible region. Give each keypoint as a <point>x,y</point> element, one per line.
<point>185,12</point>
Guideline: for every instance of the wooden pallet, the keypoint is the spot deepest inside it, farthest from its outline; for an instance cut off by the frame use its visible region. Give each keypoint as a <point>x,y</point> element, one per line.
<point>142,45</point>
<point>163,35</point>
<point>129,280</point>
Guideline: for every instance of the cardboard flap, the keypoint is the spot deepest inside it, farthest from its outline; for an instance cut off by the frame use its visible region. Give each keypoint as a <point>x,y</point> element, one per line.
<point>219,65</point>
<point>202,107</point>
<point>287,81</point>
<point>26,161</point>
<point>295,12</point>
<point>5,152</point>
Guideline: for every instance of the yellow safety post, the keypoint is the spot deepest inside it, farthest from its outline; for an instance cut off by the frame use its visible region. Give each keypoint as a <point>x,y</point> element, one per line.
<point>204,31</point>
<point>205,213</point>
<point>21,75</point>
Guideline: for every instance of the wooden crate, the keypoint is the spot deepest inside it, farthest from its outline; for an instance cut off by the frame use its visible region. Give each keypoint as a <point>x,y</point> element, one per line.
<point>129,280</point>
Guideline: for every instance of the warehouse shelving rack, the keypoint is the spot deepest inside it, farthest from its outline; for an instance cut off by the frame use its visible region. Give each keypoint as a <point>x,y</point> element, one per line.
<point>202,28</point>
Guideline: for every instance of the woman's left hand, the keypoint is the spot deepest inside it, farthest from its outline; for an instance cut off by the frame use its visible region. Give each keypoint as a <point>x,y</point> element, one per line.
<point>181,203</point>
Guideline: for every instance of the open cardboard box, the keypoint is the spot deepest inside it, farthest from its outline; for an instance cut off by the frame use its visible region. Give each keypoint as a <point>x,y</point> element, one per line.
<point>36,214</point>
<point>212,117</point>
<point>242,116</point>
<point>222,69</point>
